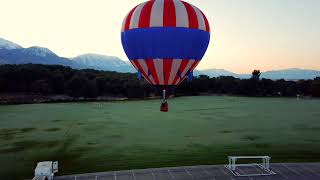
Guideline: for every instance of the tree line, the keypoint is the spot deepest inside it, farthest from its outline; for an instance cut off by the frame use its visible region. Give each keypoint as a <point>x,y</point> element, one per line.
<point>56,79</point>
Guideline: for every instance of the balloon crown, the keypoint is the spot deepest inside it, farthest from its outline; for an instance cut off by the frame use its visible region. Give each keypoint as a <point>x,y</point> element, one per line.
<point>165,13</point>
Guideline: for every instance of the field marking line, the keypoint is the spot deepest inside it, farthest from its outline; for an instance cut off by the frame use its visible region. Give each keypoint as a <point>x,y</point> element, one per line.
<point>278,172</point>
<point>310,170</point>
<point>154,177</point>
<point>134,177</point>
<point>171,175</point>
<point>244,173</point>
<point>188,173</point>
<point>317,167</point>
<point>115,175</point>
<point>294,172</point>
<point>66,134</point>
<point>213,178</point>
<point>222,170</point>
<point>258,169</point>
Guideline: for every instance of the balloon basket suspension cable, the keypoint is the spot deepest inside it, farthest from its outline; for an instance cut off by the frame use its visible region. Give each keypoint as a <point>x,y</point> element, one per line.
<point>164,104</point>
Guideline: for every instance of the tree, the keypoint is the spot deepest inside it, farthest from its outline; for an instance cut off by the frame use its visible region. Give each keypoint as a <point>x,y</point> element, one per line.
<point>3,84</point>
<point>55,79</point>
<point>267,87</point>
<point>76,86</point>
<point>316,87</point>
<point>200,84</point>
<point>91,90</point>
<point>57,82</point>
<point>291,88</point>
<point>304,87</point>
<point>256,74</point>
<point>227,84</point>
<point>41,87</point>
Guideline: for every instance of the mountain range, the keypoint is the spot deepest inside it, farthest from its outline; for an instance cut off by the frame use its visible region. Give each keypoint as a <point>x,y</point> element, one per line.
<point>12,53</point>
<point>287,74</point>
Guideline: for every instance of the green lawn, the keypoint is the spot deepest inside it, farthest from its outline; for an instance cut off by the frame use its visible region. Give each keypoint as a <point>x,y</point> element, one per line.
<point>91,137</point>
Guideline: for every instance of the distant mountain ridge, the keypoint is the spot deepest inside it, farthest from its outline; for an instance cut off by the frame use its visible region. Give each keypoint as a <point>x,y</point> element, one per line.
<point>11,53</point>
<point>35,55</point>
<point>216,72</point>
<point>288,74</point>
<point>291,74</point>
<point>5,44</point>
<point>102,62</point>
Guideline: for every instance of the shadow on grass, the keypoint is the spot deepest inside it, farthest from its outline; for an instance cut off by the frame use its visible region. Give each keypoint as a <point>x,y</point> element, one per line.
<point>53,129</point>
<point>24,145</point>
<point>251,137</point>
<point>8,134</point>
<point>306,128</point>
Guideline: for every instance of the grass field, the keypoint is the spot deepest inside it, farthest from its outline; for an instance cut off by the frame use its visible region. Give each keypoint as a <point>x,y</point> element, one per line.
<point>91,137</point>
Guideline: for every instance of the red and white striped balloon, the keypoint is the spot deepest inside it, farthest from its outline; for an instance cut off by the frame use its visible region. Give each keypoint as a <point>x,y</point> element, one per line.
<point>165,13</point>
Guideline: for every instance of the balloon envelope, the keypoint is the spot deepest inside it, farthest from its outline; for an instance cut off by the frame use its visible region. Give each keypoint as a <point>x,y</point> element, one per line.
<point>165,40</point>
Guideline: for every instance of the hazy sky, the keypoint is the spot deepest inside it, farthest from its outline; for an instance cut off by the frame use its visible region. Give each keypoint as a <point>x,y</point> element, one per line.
<point>246,34</point>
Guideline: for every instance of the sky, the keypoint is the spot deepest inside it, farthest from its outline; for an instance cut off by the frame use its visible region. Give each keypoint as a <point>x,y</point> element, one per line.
<point>246,34</point>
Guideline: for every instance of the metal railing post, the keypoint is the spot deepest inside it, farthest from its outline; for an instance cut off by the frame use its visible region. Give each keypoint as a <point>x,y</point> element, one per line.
<point>268,163</point>
<point>233,164</point>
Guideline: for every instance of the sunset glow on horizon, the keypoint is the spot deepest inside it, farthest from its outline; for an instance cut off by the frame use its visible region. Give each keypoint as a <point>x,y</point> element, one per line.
<point>246,34</point>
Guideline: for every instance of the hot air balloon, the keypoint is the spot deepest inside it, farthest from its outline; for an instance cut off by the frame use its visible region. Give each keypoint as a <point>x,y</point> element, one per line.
<point>165,41</point>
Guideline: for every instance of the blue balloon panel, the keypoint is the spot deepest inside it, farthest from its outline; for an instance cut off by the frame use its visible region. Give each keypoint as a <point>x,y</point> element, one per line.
<point>169,42</point>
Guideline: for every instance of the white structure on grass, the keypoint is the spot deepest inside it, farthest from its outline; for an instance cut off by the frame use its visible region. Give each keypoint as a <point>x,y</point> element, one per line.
<point>45,170</point>
<point>265,165</point>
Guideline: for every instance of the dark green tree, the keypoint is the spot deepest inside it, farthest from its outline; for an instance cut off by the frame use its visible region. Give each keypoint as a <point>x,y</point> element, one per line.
<point>76,86</point>
<point>316,87</point>
<point>55,79</point>
<point>256,74</point>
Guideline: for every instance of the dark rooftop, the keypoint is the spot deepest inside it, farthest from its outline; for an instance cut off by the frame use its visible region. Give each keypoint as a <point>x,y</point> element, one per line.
<point>291,171</point>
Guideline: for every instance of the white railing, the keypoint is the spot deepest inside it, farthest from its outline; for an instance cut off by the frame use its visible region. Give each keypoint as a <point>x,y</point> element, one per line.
<point>265,165</point>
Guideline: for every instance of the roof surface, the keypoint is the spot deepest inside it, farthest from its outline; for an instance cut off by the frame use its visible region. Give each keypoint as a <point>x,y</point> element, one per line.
<point>291,171</point>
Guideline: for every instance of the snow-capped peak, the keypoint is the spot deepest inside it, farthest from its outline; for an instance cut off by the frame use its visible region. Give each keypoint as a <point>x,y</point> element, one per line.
<point>39,51</point>
<point>97,59</point>
<point>102,62</point>
<point>5,44</point>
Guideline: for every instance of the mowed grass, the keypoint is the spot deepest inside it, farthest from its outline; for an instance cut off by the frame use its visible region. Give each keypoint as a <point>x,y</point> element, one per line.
<point>91,137</point>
